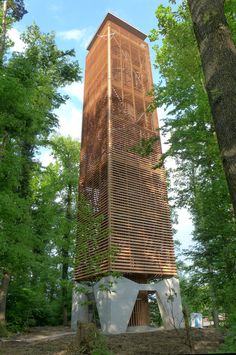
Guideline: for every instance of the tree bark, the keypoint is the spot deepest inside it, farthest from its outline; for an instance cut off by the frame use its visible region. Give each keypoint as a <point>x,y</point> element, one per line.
<point>188,330</point>
<point>4,30</point>
<point>218,56</point>
<point>215,316</point>
<point>3,296</point>
<point>27,153</point>
<point>3,144</point>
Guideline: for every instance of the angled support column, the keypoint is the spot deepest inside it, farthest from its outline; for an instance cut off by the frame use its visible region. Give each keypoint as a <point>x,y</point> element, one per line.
<point>115,299</point>
<point>169,302</point>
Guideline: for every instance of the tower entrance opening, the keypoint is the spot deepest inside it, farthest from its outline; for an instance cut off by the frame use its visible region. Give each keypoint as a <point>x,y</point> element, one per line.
<point>140,314</point>
<point>146,310</point>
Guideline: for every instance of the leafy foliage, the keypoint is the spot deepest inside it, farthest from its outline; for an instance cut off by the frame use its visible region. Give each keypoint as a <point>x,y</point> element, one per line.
<point>89,340</point>
<point>52,244</point>
<point>16,9</point>
<point>33,220</point>
<point>199,182</point>
<point>145,146</point>
<point>91,232</point>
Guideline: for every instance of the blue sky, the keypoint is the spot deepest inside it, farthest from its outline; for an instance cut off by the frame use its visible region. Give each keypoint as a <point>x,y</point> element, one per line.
<point>74,23</point>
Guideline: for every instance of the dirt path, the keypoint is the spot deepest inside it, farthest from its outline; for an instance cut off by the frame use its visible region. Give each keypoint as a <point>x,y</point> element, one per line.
<point>39,340</point>
<point>40,335</point>
<point>57,340</point>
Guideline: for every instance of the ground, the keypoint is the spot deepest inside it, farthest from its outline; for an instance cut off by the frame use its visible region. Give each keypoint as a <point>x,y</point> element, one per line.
<point>60,341</point>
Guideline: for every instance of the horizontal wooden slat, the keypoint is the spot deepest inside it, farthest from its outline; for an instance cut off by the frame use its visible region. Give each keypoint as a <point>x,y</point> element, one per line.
<point>119,183</point>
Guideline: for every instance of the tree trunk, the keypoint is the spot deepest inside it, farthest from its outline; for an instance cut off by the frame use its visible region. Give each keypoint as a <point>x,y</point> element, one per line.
<point>65,256</point>
<point>215,316</point>
<point>3,144</point>
<point>188,330</point>
<point>4,31</point>
<point>215,313</point>
<point>27,153</point>
<point>218,56</point>
<point>3,296</point>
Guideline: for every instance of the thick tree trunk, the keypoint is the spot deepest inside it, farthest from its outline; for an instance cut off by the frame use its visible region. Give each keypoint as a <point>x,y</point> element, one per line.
<point>65,256</point>
<point>218,56</point>
<point>4,30</point>
<point>3,296</point>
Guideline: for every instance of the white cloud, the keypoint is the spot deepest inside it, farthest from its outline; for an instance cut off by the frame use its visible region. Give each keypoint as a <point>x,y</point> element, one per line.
<point>75,34</point>
<point>75,90</point>
<point>14,35</point>
<point>83,36</point>
<point>70,120</point>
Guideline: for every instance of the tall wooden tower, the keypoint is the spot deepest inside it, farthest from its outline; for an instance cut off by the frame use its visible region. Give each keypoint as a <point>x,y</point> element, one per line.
<point>120,183</point>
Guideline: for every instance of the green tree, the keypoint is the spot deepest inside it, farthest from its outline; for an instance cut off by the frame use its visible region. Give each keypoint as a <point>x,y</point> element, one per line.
<point>66,154</point>
<point>199,179</point>
<point>29,87</point>
<point>10,11</point>
<point>42,295</point>
<point>42,69</point>
<point>217,49</point>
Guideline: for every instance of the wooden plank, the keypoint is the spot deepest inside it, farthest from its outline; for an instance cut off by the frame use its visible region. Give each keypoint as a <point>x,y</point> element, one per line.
<point>121,184</point>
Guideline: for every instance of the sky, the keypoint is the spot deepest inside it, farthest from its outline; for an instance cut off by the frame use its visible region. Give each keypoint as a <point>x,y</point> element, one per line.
<point>74,23</point>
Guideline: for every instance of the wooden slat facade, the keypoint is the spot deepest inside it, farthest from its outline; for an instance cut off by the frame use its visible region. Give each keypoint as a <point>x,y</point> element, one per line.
<point>120,184</point>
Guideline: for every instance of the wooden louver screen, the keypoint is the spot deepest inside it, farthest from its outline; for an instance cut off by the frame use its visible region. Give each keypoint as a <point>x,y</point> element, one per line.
<point>120,184</point>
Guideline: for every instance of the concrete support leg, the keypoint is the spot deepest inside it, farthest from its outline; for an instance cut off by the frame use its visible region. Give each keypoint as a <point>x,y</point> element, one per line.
<point>115,299</point>
<point>79,312</point>
<point>169,302</point>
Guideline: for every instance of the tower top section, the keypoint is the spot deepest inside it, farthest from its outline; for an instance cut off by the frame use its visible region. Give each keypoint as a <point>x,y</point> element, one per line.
<point>119,22</point>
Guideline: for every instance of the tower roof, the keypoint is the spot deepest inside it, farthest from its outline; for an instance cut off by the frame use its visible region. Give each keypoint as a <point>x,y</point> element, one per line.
<point>119,22</point>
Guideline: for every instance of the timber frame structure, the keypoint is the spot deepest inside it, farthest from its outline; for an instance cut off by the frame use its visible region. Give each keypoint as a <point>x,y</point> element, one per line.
<point>121,184</point>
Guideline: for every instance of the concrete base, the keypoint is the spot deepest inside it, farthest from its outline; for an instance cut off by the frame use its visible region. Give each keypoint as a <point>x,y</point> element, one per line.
<point>115,299</point>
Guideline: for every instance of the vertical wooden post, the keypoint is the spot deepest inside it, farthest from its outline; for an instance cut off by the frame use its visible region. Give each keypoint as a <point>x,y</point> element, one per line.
<point>109,140</point>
